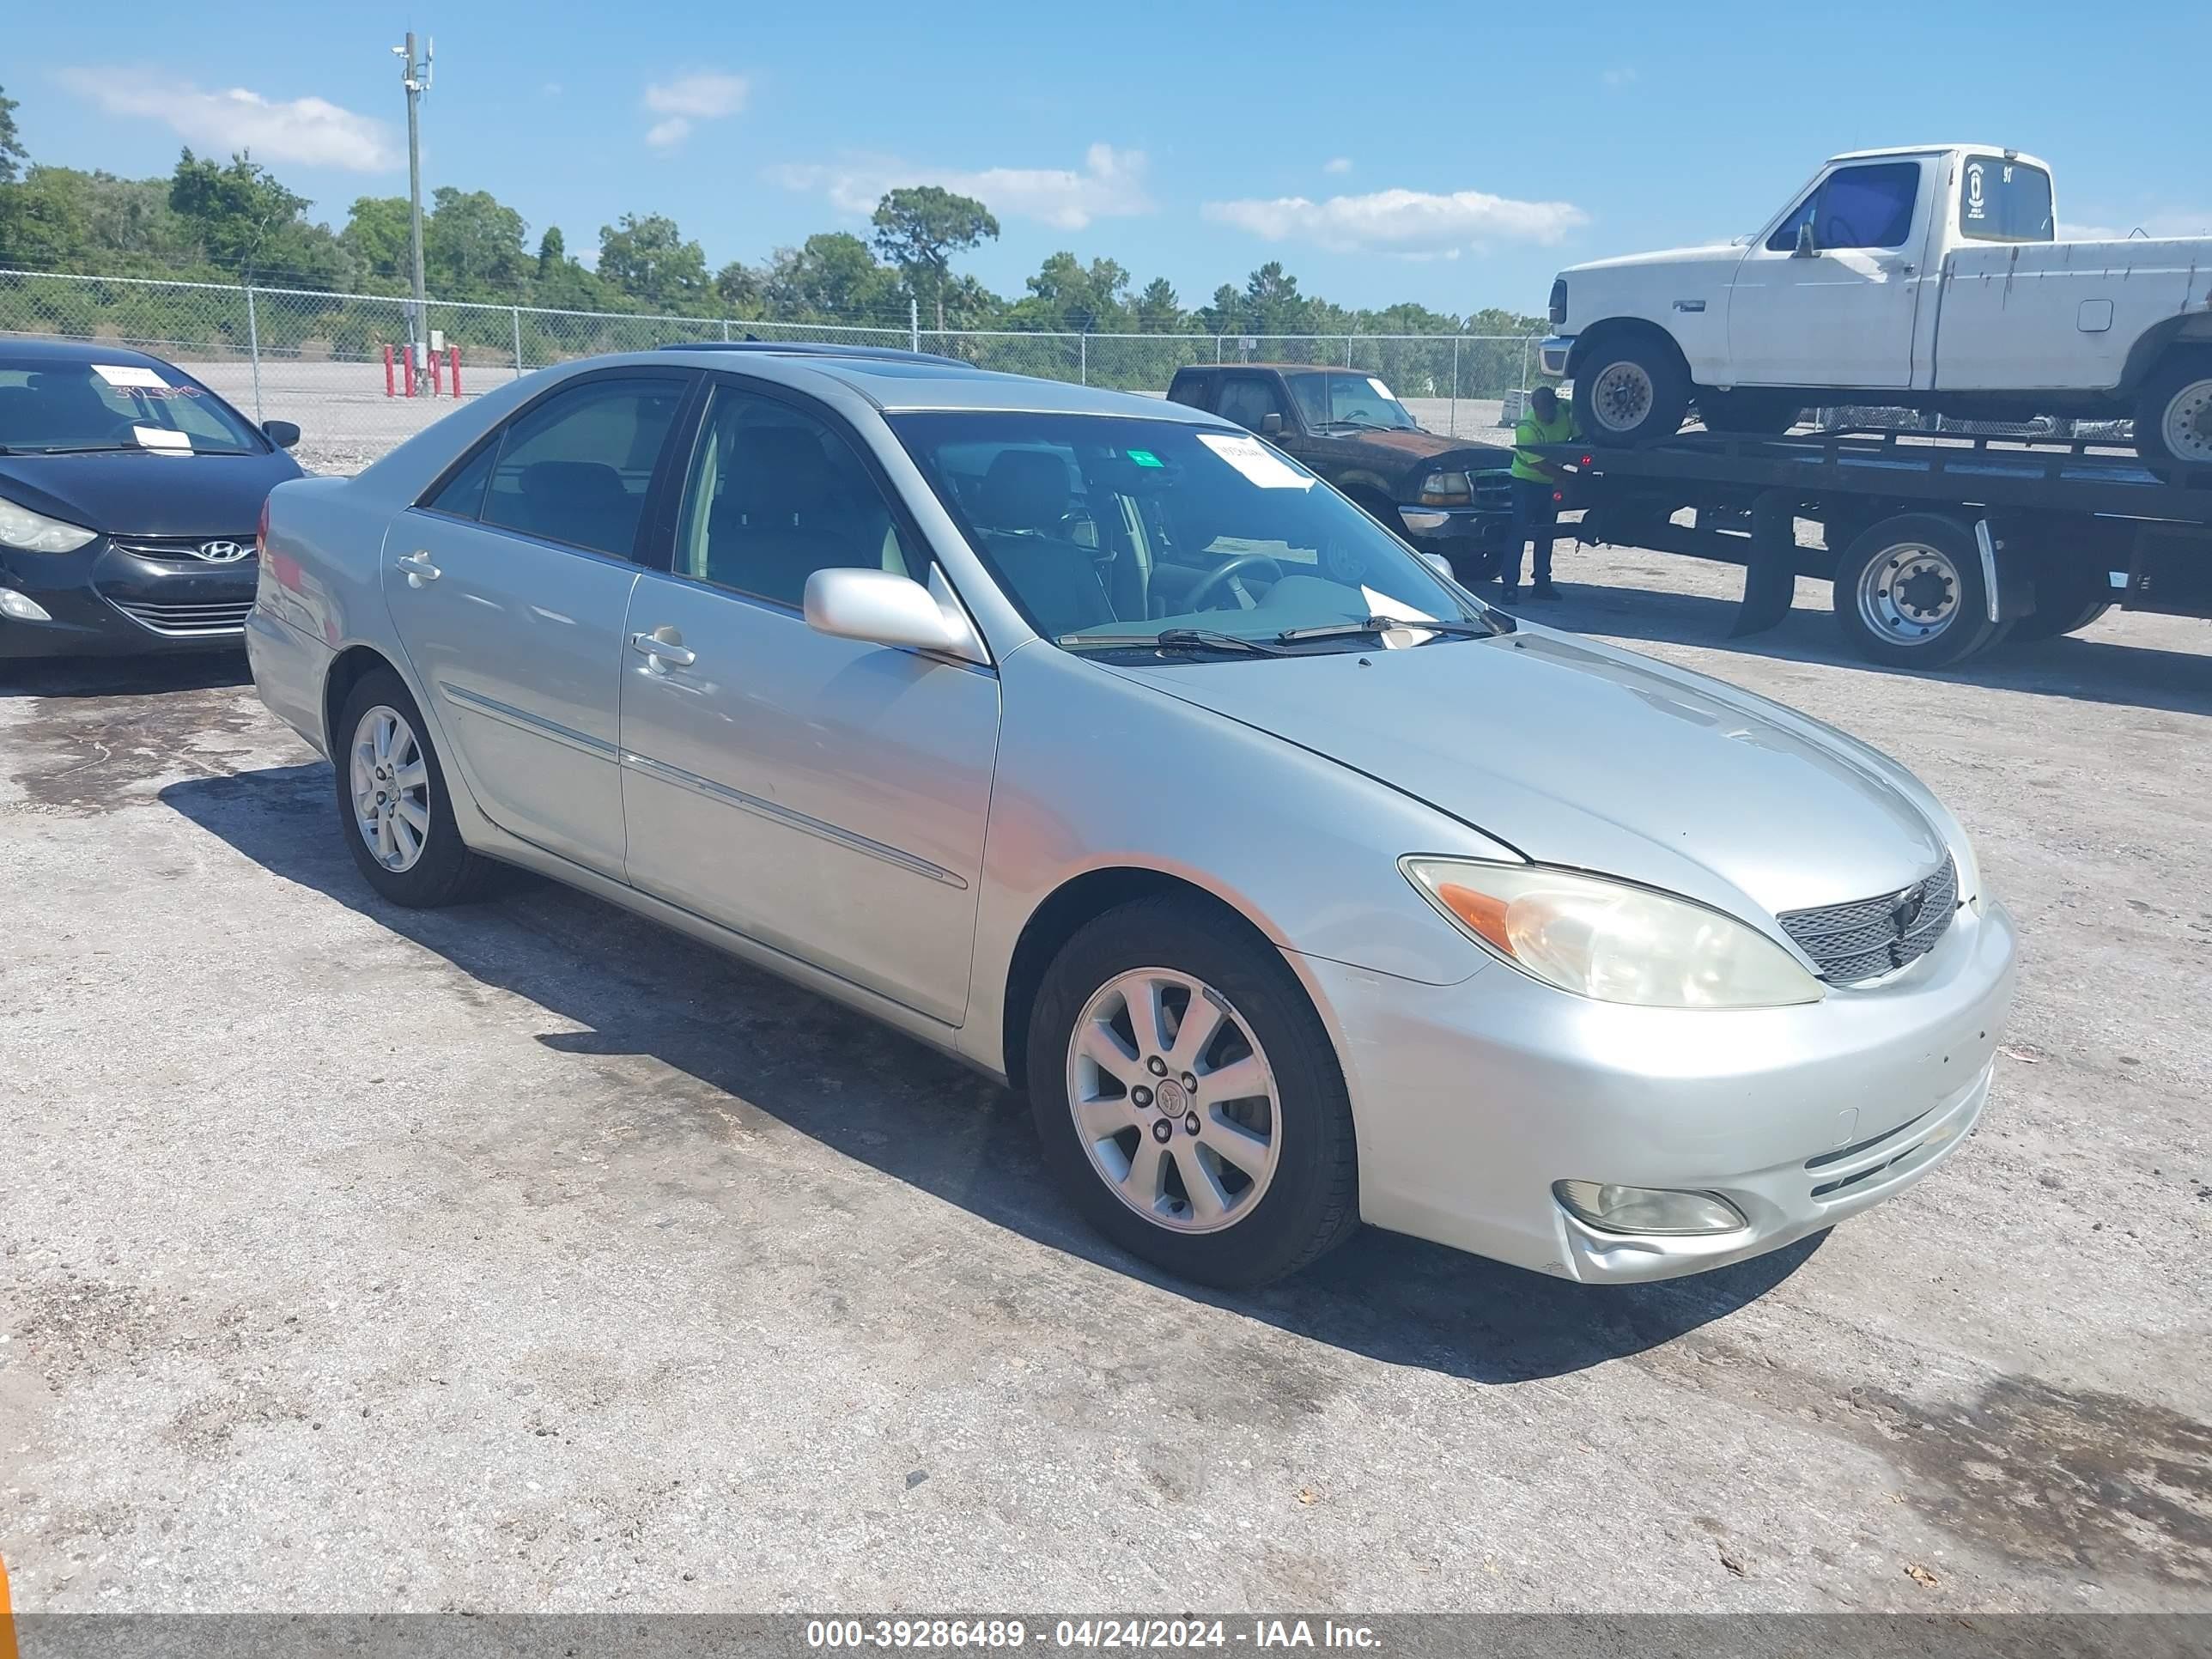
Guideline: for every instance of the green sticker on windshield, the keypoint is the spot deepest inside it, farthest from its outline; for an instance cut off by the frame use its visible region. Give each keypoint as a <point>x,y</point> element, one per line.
<point>1144,457</point>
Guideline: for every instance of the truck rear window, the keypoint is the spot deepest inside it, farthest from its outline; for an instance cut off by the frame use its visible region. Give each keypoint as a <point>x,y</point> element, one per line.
<point>2002,201</point>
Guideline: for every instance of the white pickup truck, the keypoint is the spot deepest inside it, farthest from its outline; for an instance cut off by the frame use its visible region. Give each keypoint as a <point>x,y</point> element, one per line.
<point>1929,278</point>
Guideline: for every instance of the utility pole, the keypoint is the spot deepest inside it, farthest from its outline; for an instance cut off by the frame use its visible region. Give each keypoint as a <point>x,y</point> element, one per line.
<point>415,75</point>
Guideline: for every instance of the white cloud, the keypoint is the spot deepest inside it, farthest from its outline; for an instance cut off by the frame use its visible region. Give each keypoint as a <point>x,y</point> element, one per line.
<point>2172,222</point>
<point>1414,224</point>
<point>1110,185</point>
<point>707,97</point>
<point>307,132</point>
<point>1619,77</point>
<point>1337,164</point>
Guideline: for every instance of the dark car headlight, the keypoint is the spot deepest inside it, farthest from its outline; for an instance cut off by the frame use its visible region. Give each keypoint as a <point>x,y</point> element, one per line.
<point>34,533</point>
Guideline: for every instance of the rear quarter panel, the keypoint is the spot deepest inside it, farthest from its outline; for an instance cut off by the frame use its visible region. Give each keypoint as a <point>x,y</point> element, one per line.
<point>2062,315</point>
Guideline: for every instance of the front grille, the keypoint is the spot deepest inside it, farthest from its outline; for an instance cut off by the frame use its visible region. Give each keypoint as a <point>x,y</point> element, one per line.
<point>182,549</point>
<point>1869,938</point>
<point>183,620</point>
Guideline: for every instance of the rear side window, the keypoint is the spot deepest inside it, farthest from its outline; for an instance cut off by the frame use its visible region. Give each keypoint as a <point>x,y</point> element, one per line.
<point>2002,201</point>
<point>576,469</point>
<point>1188,389</point>
<point>1858,207</point>
<point>463,494</point>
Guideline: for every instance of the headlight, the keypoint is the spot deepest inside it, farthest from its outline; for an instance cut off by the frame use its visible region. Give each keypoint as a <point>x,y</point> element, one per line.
<point>1444,488</point>
<point>1559,306</point>
<point>34,533</point>
<point>1610,941</point>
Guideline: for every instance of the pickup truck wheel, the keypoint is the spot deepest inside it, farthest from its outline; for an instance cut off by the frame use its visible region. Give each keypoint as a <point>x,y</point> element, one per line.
<point>1631,391</point>
<point>2173,411</point>
<point>1908,594</point>
<point>1752,414</point>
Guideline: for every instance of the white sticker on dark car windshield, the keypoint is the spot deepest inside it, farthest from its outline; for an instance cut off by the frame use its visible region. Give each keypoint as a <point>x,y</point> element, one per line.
<point>1256,461</point>
<point>128,375</point>
<point>161,437</point>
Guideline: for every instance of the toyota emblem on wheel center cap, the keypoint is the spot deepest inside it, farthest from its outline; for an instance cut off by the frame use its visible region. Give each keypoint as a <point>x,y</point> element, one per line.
<point>1171,1097</point>
<point>222,552</point>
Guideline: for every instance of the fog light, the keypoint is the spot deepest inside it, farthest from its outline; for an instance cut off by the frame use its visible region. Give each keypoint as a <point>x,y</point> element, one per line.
<point>22,606</point>
<point>1646,1209</point>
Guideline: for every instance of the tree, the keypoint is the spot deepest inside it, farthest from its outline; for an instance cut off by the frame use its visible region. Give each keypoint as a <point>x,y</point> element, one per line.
<point>378,235</point>
<point>13,159</point>
<point>739,287</point>
<point>832,275</point>
<point>920,226</point>
<point>41,222</point>
<point>649,259</point>
<point>552,249</point>
<point>472,247</point>
<point>1064,294</point>
<point>1159,310</point>
<point>245,221</point>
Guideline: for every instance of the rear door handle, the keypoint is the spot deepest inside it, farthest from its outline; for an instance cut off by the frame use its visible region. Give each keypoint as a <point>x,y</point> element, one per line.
<point>418,568</point>
<point>662,652</point>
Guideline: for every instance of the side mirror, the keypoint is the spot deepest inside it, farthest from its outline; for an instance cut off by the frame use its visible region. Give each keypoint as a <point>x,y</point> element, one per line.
<point>1270,425</point>
<point>884,608</point>
<point>282,434</point>
<point>1441,565</point>
<point>1806,247</point>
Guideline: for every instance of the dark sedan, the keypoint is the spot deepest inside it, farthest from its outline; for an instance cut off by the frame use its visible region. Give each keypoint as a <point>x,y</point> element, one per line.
<point>130,495</point>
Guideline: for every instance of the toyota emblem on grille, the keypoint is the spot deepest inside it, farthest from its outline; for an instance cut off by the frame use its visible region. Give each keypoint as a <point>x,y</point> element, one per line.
<point>1906,910</point>
<point>222,552</point>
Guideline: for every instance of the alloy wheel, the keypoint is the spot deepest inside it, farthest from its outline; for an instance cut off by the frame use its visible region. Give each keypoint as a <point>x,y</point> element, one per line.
<point>1910,595</point>
<point>391,788</point>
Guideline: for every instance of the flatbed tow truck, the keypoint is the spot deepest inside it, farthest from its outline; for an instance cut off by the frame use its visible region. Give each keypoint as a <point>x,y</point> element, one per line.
<point>1939,546</point>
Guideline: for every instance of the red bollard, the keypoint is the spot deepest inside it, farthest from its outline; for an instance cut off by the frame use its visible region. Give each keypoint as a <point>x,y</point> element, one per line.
<point>388,386</point>
<point>453,365</point>
<point>411,368</point>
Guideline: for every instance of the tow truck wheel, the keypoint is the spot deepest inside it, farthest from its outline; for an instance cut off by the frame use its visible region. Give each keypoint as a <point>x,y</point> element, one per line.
<point>1908,594</point>
<point>2068,599</point>
<point>2173,411</point>
<point>1629,389</point>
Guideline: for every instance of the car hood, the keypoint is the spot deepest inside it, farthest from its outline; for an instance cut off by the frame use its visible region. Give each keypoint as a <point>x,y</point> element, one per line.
<point>1579,755</point>
<point>1730,251</point>
<point>143,494</point>
<point>1432,446</point>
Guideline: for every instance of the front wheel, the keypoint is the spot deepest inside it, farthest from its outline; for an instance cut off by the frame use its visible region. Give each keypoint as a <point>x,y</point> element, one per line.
<point>1188,1096</point>
<point>1631,389</point>
<point>2173,411</point>
<point>1908,594</point>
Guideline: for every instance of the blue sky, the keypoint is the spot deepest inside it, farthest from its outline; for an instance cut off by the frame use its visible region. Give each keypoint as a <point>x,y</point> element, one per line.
<point>1456,155</point>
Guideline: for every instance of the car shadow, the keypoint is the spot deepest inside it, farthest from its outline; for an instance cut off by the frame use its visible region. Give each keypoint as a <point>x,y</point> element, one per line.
<point>122,677</point>
<point>2088,670</point>
<point>639,989</point>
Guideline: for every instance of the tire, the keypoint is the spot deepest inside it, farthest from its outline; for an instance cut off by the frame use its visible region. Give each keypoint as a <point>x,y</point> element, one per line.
<point>2068,599</point>
<point>2173,411</point>
<point>1284,1197</point>
<point>1908,594</point>
<point>438,869</point>
<point>1631,388</point>
<point>1751,414</point>
<point>1471,569</point>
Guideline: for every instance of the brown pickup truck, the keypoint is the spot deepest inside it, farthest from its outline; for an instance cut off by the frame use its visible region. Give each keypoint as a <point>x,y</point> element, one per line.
<point>1440,494</point>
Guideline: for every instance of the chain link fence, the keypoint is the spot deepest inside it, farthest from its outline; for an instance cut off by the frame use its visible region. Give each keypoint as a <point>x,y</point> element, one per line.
<point>337,364</point>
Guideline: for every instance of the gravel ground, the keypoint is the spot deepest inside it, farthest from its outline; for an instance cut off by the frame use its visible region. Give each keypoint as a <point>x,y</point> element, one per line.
<point>527,1257</point>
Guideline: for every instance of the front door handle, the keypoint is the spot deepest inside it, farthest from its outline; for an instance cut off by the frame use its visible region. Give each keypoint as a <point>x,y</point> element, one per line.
<point>418,568</point>
<point>663,653</point>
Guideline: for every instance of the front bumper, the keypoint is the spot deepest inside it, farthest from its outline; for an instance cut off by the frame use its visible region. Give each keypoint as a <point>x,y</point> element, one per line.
<point>110,598</point>
<point>1471,1100</point>
<point>1552,354</point>
<point>1456,529</point>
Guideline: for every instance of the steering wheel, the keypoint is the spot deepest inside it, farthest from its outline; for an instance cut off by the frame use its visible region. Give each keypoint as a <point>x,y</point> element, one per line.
<point>1226,574</point>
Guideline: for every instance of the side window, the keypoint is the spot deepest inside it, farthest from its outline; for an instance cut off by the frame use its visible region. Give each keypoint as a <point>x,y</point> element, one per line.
<point>463,494</point>
<point>1245,399</point>
<point>1860,207</point>
<point>1189,389</point>
<point>773,495</point>
<point>1312,393</point>
<point>576,469</point>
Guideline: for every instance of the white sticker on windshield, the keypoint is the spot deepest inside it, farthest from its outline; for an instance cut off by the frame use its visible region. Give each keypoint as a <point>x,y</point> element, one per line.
<point>161,438</point>
<point>1381,391</point>
<point>128,375</point>
<point>1256,461</point>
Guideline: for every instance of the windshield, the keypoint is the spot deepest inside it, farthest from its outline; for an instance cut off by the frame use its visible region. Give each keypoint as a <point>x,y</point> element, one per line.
<point>1107,533</point>
<point>2002,201</point>
<point>47,407</point>
<point>1359,399</point>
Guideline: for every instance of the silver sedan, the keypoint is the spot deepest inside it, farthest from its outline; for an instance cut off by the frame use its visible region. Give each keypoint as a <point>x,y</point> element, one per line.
<point>1102,746</point>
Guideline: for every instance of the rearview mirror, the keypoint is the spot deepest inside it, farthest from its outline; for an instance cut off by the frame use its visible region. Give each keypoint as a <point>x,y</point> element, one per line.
<point>884,608</point>
<point>1806,247</point>
<point>1270,425</point>
<point>282,434</point>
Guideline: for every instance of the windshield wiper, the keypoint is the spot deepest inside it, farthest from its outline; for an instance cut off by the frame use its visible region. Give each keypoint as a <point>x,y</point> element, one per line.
<point>1384,624</point>
<point>1366,426</point>
<point>89,449</point>
<point>1176,639</point>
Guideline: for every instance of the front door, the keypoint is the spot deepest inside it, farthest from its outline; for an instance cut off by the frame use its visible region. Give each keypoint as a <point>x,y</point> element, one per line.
<point>1842,315</point>
<point>510,584</point>
<point>823,796</point>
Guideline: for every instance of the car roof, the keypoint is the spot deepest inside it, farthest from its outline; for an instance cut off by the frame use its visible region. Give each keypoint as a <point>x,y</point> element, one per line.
<point>900,382</point>
<point>1287,369</point>
<point>1930,150</point>
<point>74,351</point>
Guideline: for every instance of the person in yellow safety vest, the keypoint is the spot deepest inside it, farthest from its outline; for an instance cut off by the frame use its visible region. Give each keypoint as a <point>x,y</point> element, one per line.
<point>1536,486</point>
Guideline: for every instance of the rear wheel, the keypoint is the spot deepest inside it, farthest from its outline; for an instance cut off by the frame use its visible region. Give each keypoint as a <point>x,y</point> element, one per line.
<point>1908,594</point>
<point>2173,411</point>
<point>2068,599</point>
<point>1188,1096</point>
<point>391,801</point>
<point>1631,388</point>
<point>1752,414</point>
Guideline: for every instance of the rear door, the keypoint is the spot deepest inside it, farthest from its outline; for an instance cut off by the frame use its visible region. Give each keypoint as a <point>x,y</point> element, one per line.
<point>824,796</point>
<point>508,585</point>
